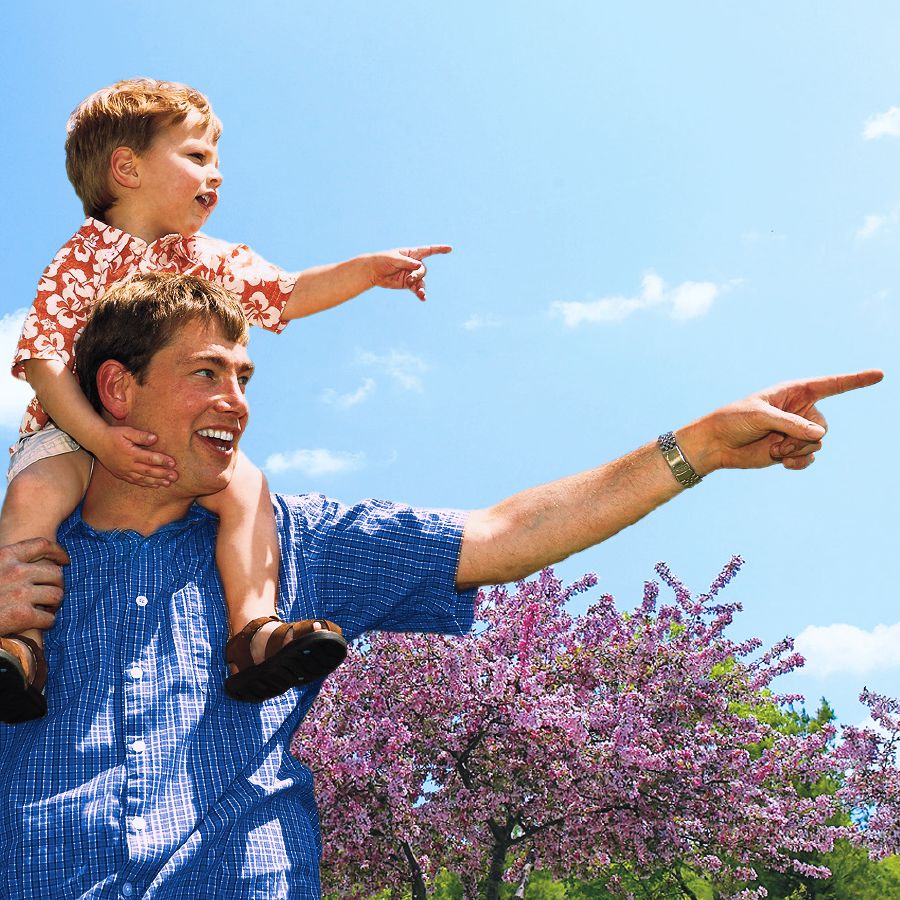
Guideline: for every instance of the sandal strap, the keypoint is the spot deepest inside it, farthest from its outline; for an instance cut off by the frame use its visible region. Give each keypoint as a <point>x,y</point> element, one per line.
<point>237,650</point>
<point>276,639</point>
<point>39,679</point>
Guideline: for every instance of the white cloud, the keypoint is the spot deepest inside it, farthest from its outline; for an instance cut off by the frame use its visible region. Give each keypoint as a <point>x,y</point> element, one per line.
<point>476,322</point>
<point>315,463</point>
<point>870,226</point>
<point>847,649</point>
<point>689,300</point>
<point>886,124</point>
<point>404,368</point>
<point>693,299</point>
<point>345,401</point>
<point>16,394</point>
<point>875,222</point>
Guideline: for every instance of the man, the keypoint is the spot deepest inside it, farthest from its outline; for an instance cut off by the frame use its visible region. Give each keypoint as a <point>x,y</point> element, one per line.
<point>144,779</point>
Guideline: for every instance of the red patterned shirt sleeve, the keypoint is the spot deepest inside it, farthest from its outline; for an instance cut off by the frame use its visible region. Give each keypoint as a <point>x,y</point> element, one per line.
<point>65,295</point>
<point>262,288</point>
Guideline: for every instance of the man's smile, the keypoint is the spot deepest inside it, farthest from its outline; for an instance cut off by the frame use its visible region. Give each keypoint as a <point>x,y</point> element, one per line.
<point>219,438</point>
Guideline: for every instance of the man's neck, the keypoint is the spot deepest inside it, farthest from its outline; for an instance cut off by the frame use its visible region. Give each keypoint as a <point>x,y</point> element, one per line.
<point>111,504</point>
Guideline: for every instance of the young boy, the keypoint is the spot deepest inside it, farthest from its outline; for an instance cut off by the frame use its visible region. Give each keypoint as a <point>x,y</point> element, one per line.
<point>142,157</point>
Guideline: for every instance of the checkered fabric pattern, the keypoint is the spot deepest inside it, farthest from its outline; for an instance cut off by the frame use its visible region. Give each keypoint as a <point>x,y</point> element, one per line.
<point>145,779</point>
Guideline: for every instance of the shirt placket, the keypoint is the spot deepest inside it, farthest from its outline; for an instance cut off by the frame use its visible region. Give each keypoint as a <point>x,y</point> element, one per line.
<point>138,674</point>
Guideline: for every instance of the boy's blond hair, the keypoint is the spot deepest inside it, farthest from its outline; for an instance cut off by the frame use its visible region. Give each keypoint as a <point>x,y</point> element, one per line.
<point>126,114</point>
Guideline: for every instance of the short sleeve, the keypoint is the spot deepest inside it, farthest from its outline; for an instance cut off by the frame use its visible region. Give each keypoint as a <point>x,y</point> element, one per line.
<point>376,565</point>
<point>60,309</point>
<point>262,287</point>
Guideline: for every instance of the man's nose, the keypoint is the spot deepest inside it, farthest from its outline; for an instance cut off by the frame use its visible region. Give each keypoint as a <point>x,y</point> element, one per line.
<point>233,399</point>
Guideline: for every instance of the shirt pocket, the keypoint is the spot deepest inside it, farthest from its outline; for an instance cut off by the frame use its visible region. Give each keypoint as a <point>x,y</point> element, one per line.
<point>191,647</point>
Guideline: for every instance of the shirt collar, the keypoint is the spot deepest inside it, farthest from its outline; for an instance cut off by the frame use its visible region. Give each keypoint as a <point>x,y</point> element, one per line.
<point>99,234</point>
<point>76,527</point>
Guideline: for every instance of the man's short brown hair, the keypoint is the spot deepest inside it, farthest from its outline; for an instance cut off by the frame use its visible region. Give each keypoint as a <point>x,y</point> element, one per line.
<point>137,318</point>
<point>126,114</point>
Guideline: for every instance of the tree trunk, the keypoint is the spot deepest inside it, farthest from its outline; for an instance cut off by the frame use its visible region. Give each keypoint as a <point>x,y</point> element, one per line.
<point>495,873</point>
<point>416,881</point>
<point>526,875</point>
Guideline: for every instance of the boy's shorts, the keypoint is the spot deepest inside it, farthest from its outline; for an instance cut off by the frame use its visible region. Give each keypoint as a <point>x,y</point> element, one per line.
<point>47,442</point>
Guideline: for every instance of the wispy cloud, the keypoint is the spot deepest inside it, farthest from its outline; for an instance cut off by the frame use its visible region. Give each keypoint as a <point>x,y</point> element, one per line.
<point>16,394</point>
<point>886,124</point>
<point>870,226</point>
<point>315,463</point>
<point>847,649</point>
<point>875,222</point>
<point>689,300</point>
<point>345,401</point>
<point>476,322</point>
<point>405,369</point>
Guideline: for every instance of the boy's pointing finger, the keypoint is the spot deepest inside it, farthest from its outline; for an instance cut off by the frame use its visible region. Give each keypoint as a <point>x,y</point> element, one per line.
<point>430,250</point>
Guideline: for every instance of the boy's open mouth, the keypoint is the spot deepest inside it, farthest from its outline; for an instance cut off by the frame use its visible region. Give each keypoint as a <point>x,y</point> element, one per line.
<point>207,200</point>
<point>223,441</point>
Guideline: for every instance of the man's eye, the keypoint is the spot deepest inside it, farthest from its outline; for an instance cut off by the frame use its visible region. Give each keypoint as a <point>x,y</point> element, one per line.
<point>206,373</point>
<point>244,380</point>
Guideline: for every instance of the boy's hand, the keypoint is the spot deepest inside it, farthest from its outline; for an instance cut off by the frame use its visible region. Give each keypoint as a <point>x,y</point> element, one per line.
<point>403,268</point>
<point>124,455</point>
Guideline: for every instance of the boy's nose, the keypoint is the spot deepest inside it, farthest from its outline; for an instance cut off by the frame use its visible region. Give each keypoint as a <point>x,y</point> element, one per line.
<point>214,178</point>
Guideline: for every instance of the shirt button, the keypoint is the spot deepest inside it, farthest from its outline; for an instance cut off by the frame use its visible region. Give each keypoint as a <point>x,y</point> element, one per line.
<point>141,600</point>
<point>127,889</point>
<point>138,746</point>
<point>138,823</point>
<point>135,673</point>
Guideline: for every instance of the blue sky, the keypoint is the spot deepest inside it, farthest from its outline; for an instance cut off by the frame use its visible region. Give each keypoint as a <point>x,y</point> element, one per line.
<point>655,209</point>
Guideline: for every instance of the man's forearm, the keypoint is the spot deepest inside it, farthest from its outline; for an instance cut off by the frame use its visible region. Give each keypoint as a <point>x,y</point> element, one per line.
<point>323,287</point>
<point>543,525</point>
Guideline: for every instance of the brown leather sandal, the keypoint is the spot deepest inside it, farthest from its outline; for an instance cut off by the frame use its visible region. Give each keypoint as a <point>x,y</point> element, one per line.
<point>309,655</point>
<point>21,699</point>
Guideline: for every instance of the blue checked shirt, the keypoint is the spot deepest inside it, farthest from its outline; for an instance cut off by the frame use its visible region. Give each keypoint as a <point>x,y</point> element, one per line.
<point>145,780</point>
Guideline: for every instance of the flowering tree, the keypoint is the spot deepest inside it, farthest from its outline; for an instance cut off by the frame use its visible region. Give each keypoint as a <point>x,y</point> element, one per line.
<point>611,736</point>
<point>871,788</point>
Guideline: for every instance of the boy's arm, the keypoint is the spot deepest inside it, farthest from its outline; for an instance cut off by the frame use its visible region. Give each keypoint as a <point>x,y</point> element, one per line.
<point>120,449</point>
<point>323,287</point>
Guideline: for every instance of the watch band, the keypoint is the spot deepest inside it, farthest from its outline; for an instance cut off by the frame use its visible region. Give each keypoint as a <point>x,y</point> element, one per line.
<point>682,470</point>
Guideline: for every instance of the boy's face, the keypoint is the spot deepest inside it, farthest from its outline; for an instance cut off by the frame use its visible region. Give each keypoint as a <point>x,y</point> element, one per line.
<point>179,180</point>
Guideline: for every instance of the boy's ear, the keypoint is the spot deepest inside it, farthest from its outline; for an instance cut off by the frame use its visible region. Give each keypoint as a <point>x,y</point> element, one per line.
<point>123,167</point>
<point>114,385</point>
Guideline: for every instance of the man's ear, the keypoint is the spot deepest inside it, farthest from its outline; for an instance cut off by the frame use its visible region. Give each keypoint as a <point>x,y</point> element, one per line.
<point>114,385</point>
<point>123,166</point>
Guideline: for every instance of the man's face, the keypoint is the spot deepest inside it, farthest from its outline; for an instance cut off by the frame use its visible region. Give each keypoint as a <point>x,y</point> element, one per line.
<point>193,399</point>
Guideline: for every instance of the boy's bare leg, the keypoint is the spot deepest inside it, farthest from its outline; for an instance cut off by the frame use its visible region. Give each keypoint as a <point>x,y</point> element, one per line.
<point>248,557</point>
<point>247,552</point>
<point>37,501</point>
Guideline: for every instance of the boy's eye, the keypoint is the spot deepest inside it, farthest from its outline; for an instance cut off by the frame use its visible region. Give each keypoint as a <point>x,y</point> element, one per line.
<point>200,157</point>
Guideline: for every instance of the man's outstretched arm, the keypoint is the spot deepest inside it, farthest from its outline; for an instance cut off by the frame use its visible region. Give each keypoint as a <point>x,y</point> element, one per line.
<point>543,525</point>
